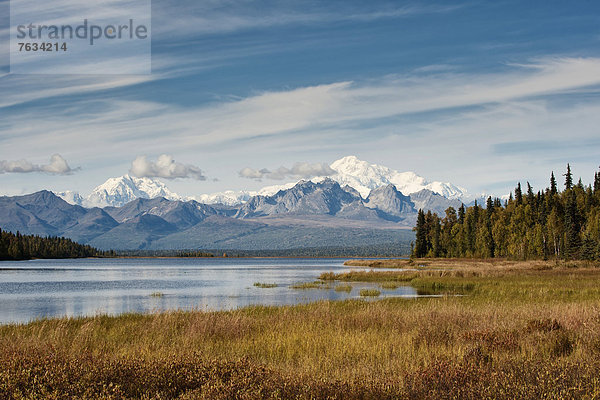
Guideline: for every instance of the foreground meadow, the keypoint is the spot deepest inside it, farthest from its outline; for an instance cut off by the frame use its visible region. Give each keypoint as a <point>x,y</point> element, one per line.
<point>499,330</point>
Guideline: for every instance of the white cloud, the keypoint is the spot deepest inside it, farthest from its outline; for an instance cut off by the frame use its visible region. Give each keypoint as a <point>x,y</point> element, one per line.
<point>57,166</point>
<point>298,170</point>
<point>164,167</point>
<point>251,173</point>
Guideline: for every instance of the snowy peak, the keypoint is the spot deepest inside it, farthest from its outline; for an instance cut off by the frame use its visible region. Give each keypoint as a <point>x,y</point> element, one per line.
<point>365,177</point>
<point>120,191</point>
<point>351,173</point>
<point>71,197</point>
<point>233,198</point>
<point>116,192</point>
<point>354,175</point>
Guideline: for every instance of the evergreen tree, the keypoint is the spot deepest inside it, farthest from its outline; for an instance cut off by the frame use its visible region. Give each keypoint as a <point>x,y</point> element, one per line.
<point>562,225</point>
<point>519,194</point>
<point>489,237</point>
<point>437,237</point>
<point>530,195</point>
<point>572,241</point>
<point>489,207</point>
<point>588,248</point>
<point>553,187</point>
<point>461,214</point>
<point>24,247</point>
<point>421,236</point>
<point>568,178</point>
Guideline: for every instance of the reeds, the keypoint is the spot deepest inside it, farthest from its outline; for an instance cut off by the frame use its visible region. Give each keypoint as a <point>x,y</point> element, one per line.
<point>369,293</point>
<point>525,333</point>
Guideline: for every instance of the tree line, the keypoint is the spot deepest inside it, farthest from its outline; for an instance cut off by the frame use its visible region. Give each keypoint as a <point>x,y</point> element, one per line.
<point>549,223</point>
<point>15,246</point>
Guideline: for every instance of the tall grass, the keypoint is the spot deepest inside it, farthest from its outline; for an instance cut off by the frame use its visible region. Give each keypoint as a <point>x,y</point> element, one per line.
<point>528,333</point>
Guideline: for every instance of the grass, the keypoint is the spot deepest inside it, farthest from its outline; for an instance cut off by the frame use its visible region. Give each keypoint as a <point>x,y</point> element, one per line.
<point>312,285</point>
<point>343,288</point>
<point>390,285</point>
<point>157,294</point>
<point>369,276</point>
<point>369,292</point>
<point>525,330</point>
<point>391,263</point>
<point>265,285</point>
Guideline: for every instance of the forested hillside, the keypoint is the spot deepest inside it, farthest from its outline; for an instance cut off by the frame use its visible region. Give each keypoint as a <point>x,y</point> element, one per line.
<point>25,247</point>
<point>545,224</point>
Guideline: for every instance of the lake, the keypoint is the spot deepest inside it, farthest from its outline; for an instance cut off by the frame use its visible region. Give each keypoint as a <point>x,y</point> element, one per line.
<point>54,288</point>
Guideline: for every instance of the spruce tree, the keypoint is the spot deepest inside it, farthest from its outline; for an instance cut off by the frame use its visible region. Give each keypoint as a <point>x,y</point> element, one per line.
<point>588,248</point>
<point>553,187</point>
<point>572,242</point>
<point>568,178</point>
<point>489,207</point>
<point>461,214</point>
<point>491,247</point>
<point>519,194</point>
<point>421,236</point>
<point>437,236</point>
<point>530,195</point>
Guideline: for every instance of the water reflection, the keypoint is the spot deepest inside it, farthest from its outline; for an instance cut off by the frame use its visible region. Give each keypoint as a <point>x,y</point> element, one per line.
<point>49,288</point>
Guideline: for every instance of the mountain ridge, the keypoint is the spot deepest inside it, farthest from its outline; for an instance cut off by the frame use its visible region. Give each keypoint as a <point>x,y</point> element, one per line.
<point>307,215</point>
<point>350,171</point>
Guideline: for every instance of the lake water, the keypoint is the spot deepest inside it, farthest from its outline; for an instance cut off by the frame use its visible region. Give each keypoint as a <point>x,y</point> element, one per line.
<point>54,288</point>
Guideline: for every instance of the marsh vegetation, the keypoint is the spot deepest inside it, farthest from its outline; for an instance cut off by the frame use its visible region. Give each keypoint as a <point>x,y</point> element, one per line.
<point>524,330</point>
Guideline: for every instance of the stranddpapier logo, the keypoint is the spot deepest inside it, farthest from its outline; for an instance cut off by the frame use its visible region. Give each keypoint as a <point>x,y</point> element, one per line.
<point>112,37</point>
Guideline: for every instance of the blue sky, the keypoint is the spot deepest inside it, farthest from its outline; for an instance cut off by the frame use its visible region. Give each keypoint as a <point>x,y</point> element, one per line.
<point>478,93</point>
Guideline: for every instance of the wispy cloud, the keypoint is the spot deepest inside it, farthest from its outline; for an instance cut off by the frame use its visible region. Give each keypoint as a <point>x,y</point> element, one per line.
<point>298,170</point>
<point>57,166</point>
<point>218,18</point>
<point>164,167</point>
<point>417,111</point>
<point>314,108</point>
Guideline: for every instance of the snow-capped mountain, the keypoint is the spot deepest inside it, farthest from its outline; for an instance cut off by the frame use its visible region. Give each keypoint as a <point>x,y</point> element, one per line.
<point>365,177</point>
<point>71,197</point>
<point>233,198</point>
<point>117,192</point>
<point>357,174</point>
<point>350,171</point>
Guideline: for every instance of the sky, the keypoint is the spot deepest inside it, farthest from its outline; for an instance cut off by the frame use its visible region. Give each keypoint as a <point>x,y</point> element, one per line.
<point>478,93</point>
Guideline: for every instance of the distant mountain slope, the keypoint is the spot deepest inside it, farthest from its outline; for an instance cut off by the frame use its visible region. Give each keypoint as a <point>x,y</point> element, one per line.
<point>221,233</point>
<point>430,201</point>
<point>15,218</point>
<point>390,203</point>
<point>136,233</point>
<point>306,197</point>
<point>93,224</point>
<point>309,214</point>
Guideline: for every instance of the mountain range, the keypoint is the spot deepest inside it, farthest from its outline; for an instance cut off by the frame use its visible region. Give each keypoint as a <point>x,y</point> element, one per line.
<point>349,171</point>
<point>361,205</point>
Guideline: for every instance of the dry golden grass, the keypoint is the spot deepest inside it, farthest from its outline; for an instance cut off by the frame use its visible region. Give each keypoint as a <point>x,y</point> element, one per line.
<point>521,332</point>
